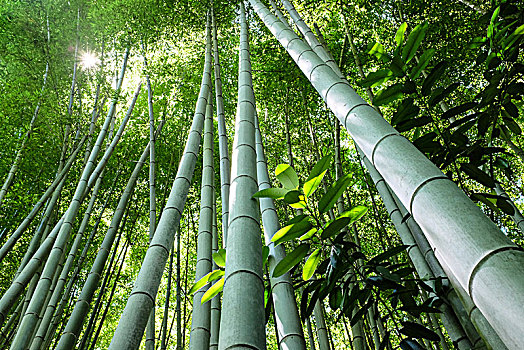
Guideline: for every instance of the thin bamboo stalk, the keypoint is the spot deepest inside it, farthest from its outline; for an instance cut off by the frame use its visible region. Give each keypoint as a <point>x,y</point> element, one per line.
<point>75,322</point>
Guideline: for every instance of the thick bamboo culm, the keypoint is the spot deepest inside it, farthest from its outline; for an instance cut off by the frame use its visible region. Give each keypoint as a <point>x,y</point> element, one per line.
<point>486,264</point>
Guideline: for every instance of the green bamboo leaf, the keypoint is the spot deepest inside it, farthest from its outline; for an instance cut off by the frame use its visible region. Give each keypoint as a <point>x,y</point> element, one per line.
<point>355,213</point>
<point>292,196</point>
<point>333,193</point>
<point>414,40</point>
<point>291,260</point>
<point>399,35</point>
<point>308,234</point>
<point>200,283</point>
<point>387,254</point>
<point>512,125</point>
<point>377,50</point>
<point>320,166</point>
<point>433,76</point>
<point>213,290</point>
<point>334,227</point>
<point>405,111</point>
<point>311,265</point>
<point>437,96</point>
<point>273,193</point>
<point>459,110</point>
<point>377,78</point>
<point>491,26</point>
<point>287,176</point>
<point>422,63</point>
<point>388,94</point>
<point>311,185</point>
<point>291,231</point>
<point>215,274</point>
<point>220,258</point>
<point>513,37</point>
<point>477,175</point>
<point>416,330</point>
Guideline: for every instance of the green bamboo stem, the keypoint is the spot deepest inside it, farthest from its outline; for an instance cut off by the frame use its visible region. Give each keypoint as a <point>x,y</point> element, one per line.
<point>244,285</point>
<point>201,320</point>
<point>223,148</point>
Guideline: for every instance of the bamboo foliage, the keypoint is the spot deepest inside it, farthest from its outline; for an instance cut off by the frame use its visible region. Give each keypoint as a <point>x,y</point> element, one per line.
<point>485,262</point>
<point>136,313</point>
<point>243,286</point>
<point>18,158</point>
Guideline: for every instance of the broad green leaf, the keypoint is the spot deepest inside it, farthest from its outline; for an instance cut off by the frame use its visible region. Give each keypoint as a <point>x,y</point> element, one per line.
<point>355,213</point>
<point>213,290</point>
<point>512,125</point>
<point>215,274</point>
<point>389,94</point>
<point>397,66</point>
<point>405,111</point>
<point>433,76</point>
<point>333,193</point>
<point>220,258</point>
<point>320,166</point>
<point>477,175</point>
<point>477,42</point>
<point>519,30</point>
<point>311,265</point>
<point>458,110</point>
<point>334,227</point>
<point>422,63</point>
<point>492,22</point>
<point>416,330</point>
<point>308,234</point>
<point>436,97</point>
<point>414,40</point>
<point>200,283</point>
<point>377,78</point>
<point>413,123</point>
<point>399,35</point>
<point>311,185</point>
<point>291,260</point>
<point>377,50</point>
<point>273,193</point>
<point>480,197</point>
<point>387,254</point>
<point>296,219</point>
<point>291,231</point>
<point>292,196</point>
<point>513,37</point>
<point>287,176</point>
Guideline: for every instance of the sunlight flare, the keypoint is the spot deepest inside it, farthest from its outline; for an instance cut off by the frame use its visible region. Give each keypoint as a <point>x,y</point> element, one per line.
<point>89,60</point>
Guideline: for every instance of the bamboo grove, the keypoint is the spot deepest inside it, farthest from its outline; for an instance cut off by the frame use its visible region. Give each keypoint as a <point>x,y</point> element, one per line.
<point>261,175</point>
